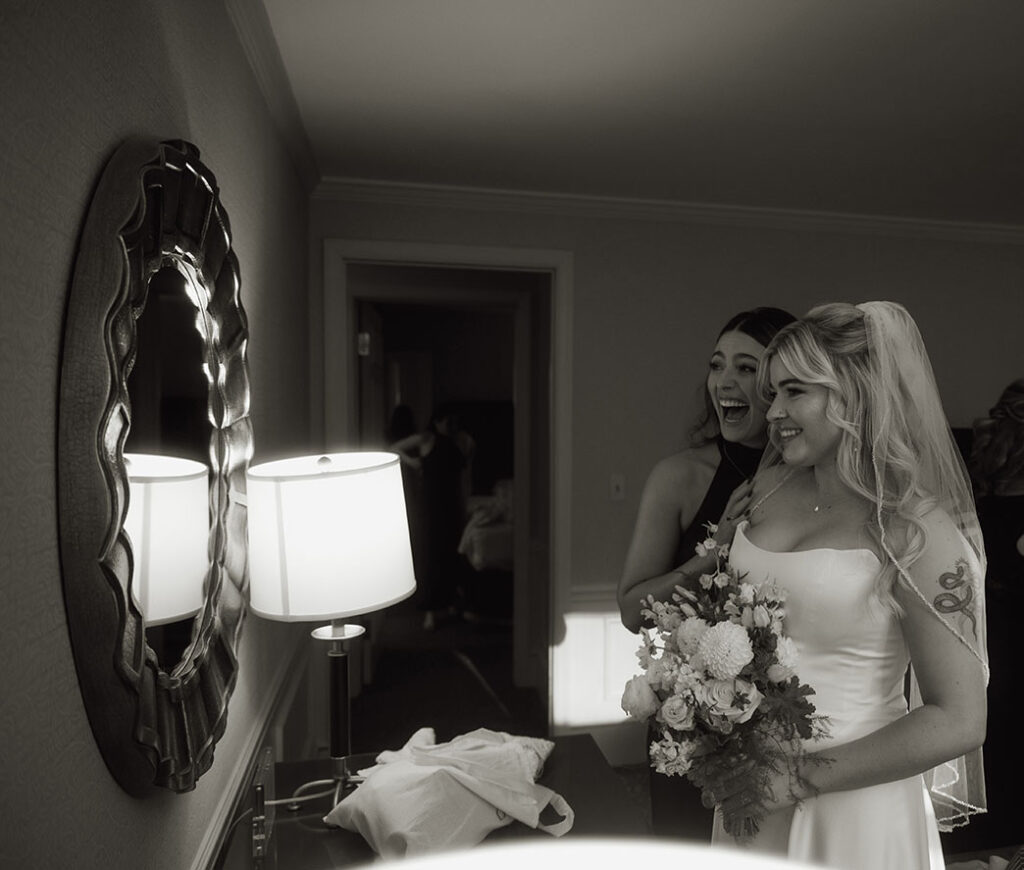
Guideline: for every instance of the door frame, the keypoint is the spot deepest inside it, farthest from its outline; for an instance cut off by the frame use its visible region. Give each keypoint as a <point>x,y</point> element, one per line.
<point>340,372</point>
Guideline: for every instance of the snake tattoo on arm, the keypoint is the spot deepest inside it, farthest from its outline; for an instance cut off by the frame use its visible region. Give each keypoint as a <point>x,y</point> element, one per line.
<point>959,594</point>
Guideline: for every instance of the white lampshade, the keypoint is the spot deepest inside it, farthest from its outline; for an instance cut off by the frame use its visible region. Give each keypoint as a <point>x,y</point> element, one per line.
<point>328,536</point>
<point>168,523</point>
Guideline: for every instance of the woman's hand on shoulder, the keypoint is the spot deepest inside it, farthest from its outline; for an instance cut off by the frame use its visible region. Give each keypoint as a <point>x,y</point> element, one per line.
<point>736,511</point>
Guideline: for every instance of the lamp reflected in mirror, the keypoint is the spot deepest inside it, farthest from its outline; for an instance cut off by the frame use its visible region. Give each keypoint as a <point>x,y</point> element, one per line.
<point>168,526</point>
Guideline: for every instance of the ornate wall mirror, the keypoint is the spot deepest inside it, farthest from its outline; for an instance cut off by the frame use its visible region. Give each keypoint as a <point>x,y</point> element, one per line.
<point>155,232</point>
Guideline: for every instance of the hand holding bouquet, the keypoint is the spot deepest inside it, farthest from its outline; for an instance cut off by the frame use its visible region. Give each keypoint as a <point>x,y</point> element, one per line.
<point>719,683</point>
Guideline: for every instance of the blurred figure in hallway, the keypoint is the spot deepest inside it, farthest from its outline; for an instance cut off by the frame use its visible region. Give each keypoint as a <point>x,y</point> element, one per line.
<point>439,458</point>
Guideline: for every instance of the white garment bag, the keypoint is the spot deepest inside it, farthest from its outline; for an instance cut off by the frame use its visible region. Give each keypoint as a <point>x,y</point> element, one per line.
<point>429,797</point>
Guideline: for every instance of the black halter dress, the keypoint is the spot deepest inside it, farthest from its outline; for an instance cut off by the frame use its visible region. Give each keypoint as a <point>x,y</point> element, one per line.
<point>676,808</point>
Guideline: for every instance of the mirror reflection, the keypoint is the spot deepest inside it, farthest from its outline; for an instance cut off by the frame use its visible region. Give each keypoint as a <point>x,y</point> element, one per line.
<point>168,525</point>
<point>168,391</point>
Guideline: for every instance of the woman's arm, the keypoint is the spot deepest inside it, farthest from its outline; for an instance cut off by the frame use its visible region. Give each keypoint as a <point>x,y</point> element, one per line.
<point>409,449</point>
<point>950,722</point>
<point>671,496</point>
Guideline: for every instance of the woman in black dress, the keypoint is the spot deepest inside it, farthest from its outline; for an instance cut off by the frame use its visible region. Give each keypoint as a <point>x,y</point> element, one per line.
<point>437,462</point>
<point>683,493</point>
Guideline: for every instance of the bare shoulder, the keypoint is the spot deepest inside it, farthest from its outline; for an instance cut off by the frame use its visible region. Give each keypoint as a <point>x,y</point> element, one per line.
<point>688,469</point>
<point>680,481</point>
<point>945,545</point>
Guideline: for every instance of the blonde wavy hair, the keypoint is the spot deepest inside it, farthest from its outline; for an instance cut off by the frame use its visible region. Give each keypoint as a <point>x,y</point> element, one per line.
<point>830,347</point>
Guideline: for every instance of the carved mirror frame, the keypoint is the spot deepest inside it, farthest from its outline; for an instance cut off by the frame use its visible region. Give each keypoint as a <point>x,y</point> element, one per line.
<point>155,206</point>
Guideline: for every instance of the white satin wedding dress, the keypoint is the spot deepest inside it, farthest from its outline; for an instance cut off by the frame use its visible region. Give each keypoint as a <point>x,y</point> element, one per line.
<point>853,654</point>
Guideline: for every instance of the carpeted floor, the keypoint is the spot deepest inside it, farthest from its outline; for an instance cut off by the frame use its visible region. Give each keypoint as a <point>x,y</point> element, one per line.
<point>453,678</point>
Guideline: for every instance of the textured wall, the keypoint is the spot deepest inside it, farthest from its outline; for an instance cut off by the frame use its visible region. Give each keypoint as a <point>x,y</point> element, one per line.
<point>75,79</point>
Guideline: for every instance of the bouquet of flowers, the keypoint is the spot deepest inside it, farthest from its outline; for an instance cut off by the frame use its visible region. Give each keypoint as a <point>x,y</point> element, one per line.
<point>719,682</point>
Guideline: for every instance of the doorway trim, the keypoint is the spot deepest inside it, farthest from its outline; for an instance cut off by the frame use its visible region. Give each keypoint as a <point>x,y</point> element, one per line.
<point>340,417</point>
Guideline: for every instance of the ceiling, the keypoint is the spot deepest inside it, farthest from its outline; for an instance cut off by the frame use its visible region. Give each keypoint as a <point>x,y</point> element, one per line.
<point>888,108</point>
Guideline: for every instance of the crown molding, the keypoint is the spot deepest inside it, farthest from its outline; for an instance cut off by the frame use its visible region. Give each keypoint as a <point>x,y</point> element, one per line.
<point>338,189</point>
<point>252,25</point>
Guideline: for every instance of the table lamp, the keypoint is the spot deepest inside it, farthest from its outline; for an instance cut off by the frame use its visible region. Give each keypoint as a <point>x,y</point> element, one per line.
<point>168,524</point>
<point>329,539</point>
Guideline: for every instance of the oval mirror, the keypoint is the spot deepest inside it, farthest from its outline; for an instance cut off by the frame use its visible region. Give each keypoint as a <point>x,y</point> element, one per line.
<point>155,226</point>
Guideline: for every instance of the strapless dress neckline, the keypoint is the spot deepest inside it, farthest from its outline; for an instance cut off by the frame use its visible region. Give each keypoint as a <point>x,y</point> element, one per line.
<point>741,529</point>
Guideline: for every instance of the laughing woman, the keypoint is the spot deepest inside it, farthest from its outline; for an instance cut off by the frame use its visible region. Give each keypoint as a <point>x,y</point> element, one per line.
<point>687,490</point>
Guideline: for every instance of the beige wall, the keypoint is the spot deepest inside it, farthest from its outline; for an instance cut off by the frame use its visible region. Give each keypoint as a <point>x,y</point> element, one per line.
<point>75,79</point>
<point>649,296</point>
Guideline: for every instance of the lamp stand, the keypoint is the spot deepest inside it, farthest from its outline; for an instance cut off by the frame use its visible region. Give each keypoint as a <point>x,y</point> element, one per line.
<point>340,636</point>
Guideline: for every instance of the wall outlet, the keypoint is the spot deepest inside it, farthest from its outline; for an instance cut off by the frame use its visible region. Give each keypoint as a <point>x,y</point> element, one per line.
<point>617,486</point>
<point>262,807</point>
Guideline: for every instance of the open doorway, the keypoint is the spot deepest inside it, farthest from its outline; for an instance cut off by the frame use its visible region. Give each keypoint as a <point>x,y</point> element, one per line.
<point>475,342</point>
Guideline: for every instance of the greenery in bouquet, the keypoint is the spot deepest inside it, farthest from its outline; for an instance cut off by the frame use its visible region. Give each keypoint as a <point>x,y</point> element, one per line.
<point>719,682</point>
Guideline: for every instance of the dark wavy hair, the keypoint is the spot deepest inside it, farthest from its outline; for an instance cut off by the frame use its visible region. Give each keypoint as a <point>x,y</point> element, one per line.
<point>997,450</point>
<point>761,324</point>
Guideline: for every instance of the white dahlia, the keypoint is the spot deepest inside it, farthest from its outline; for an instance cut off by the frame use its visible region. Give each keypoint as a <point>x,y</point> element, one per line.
<point>689,633</point>
<point>725,649</point>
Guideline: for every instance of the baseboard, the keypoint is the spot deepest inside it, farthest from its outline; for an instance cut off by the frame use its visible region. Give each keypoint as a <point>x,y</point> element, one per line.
<point>261,730</point>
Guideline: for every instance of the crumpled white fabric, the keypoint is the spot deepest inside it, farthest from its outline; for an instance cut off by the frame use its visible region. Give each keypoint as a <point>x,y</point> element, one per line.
<point>428,797</point>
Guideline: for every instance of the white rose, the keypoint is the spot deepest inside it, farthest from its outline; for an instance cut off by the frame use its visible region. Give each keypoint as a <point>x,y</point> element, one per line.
<point>638,698</point>
<point>723,705</point>
<point>753,699</point>
<point>677,713</point>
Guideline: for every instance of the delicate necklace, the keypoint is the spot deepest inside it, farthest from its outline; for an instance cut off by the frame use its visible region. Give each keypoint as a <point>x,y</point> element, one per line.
<point>819,507</point>
<point>770,492</point>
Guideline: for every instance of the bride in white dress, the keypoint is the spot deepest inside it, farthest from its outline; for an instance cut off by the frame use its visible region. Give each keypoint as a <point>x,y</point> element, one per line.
<point>868,523</point>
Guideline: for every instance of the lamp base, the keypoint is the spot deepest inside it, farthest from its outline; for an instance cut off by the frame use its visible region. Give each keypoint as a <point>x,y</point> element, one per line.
<point>345,778</point>
<point>344,764</point>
